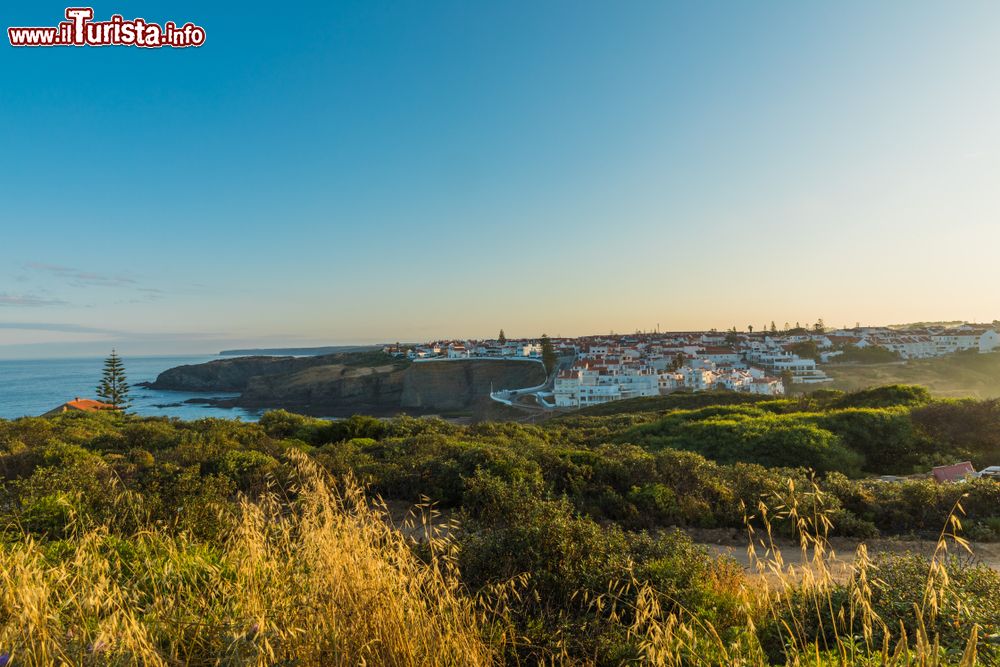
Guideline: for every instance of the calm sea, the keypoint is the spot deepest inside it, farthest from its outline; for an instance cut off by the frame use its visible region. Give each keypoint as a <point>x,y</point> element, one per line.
<point>32,387</point>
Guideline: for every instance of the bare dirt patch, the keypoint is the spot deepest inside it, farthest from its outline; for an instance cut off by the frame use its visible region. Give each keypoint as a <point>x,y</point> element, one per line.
<point>733,544</point>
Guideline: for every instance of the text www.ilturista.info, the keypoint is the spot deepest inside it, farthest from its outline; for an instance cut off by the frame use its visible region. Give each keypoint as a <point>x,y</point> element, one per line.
<point>81,30</point>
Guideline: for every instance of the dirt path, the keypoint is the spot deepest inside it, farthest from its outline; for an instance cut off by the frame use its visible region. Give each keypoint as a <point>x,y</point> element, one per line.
<point>733,543</point>
<point>844,553</point>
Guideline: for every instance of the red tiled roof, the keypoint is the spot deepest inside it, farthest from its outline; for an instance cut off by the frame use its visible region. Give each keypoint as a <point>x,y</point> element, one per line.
<point>88,405</point>
<point>953,473</point>
<point>81,405</point>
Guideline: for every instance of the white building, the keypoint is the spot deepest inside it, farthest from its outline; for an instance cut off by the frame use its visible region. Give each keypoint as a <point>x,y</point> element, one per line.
<point>582,386</point>
<point>909,347</point>
<point>803,371</point>
<point>721,355</point>
<point>525,350</point>
<point>966,337</point>
<point>733,380</point>
<point>989,341</point>
<point>636,383</point>
<point>697,379</point>
<point>767,386</point>
<point>670,382</point>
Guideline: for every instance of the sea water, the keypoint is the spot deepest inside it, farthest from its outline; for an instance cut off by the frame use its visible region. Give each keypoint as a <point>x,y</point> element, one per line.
<point>33,387</point>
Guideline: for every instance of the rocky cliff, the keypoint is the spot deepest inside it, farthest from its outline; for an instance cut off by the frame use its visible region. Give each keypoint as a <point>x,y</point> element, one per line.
<point>458,385</point>
<point>332,390</point>
<point>363,383</point>
<point>230,375</point>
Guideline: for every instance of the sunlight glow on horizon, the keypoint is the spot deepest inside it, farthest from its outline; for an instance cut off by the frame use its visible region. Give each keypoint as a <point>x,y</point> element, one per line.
<point>423,172</point>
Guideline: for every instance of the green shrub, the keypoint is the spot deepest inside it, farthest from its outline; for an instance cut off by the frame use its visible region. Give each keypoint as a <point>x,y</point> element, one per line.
<point>889,396</point>
<point>248,469</point>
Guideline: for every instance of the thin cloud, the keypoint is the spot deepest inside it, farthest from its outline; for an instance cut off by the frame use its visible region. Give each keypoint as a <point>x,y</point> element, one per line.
<point>147,294</point>
<point>28,301</point>
<point>66,327</point>
<point>80,278</point>
<point>55,326</point>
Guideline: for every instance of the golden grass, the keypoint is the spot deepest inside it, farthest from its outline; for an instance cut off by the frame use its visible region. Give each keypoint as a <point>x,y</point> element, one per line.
<point>327,583</point>
<point>325,580</point>
<point>804,601</point>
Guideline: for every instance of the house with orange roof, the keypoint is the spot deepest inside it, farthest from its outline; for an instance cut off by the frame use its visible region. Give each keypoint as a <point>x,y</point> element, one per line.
<point>79,405</point>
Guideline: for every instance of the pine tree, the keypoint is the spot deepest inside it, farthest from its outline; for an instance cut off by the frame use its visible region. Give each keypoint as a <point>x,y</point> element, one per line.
<point>549,357</point>
<point>114,389</point>
<point>502,338</point>
<point>677,362</point>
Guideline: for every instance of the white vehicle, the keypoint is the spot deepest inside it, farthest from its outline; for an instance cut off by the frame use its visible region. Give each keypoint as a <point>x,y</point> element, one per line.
<point>993,472</point>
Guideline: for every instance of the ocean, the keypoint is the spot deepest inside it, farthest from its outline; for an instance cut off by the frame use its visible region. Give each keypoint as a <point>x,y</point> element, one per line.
<point>33,387</point>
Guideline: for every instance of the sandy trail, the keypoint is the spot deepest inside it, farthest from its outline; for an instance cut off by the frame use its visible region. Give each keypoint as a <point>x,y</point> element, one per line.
<point>844,553</point>
<point>733,543</point>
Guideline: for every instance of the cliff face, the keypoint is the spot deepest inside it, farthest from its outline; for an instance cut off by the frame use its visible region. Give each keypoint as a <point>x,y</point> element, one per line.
<point>332,390</point>
<point>230,375</point>
<point>345,384</point>
<point>460,384</point>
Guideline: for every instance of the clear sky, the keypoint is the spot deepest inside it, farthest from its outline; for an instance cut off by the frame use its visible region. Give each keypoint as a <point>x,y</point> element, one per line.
<point>343,172</point>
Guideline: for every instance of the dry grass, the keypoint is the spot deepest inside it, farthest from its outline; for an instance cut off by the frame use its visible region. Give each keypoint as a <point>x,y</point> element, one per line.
<point>815,627</point>
<point>326,582</point>
<point>953,376</point>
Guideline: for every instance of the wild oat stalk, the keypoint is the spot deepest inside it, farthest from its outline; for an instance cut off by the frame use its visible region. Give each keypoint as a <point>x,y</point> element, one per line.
<point>323,580</point>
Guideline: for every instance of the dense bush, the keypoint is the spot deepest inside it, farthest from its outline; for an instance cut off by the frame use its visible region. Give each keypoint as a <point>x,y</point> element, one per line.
<point>630,469</point>
<point>571,561</point>
<point>873,354</point>
<point>968,429</point>
<point>894,395</point>
<point>557,515</point>
<point>886,437</point>
<point>766,439</point>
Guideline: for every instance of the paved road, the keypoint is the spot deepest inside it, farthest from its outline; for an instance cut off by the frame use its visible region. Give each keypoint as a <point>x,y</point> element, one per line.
<point>528,399</point>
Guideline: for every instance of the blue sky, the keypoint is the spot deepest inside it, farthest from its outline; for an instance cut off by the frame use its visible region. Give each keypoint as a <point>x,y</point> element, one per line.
<point>344,172</point>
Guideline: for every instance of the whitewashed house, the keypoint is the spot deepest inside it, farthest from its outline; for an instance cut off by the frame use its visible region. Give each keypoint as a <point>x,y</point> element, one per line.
<point>989,341</point>
<point>457,351</point>
<point>697,379</point>
<point>767,386</point>
<point>803,371</point>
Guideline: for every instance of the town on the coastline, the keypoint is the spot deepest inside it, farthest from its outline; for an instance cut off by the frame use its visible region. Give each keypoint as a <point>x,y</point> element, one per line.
<point>599,369</point>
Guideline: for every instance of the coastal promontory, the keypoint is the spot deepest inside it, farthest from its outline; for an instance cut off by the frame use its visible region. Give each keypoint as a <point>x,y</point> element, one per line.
<point>348,383</point>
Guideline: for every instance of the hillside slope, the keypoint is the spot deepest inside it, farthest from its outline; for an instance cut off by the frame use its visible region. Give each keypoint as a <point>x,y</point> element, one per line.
<point>954,376</point>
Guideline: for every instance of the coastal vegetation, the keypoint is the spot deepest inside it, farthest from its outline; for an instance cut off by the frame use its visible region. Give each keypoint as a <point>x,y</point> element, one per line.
<point>873,354</point>
<point>957,375</point>
<point>131,540</point>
